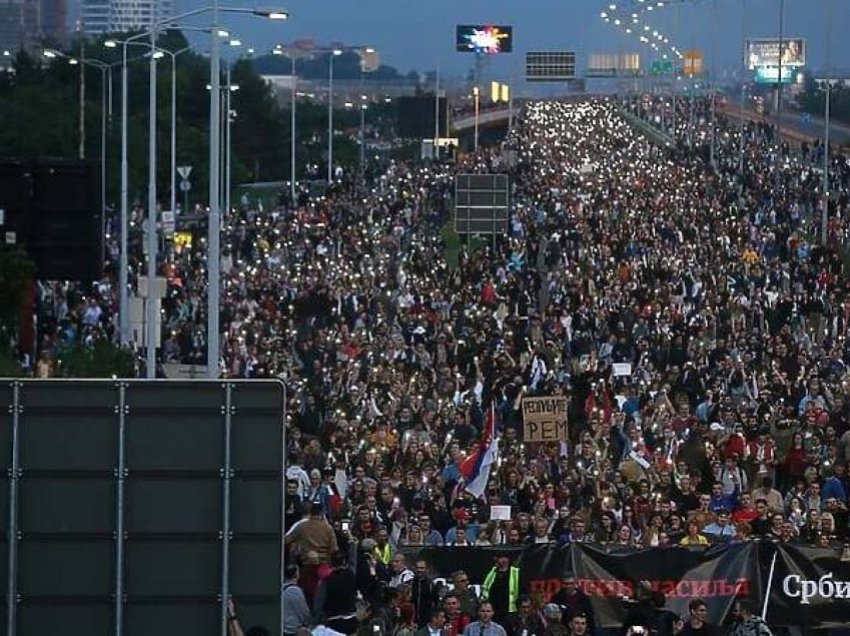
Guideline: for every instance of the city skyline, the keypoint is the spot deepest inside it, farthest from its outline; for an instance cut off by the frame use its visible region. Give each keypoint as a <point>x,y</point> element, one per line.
<point>420,36</point>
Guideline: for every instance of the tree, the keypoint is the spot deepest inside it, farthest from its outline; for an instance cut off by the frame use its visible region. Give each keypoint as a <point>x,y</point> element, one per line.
<point>16,273</point>
<point>102,359</point>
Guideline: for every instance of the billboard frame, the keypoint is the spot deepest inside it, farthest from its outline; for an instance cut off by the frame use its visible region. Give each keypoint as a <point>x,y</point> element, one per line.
<point>546,65</point>
<point>113,444</point>
<point>785,43</point>
<point>498,208</point>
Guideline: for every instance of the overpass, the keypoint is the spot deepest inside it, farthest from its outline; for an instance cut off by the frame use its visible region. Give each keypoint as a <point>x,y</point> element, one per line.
<point>792,127</point>
<point>490,118</point>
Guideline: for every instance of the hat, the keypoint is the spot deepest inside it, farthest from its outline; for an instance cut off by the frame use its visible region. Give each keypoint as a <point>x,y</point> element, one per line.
<point>551,611</point>
<point>368,544</point>
<point>716,427</point>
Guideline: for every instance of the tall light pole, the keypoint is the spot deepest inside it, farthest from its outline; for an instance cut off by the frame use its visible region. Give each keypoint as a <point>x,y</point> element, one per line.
<point>124,264</point>
<point>476,93</point>
<point>294,99</point>
<point>364,105</point>
<point>293,53</point>
<point>826,117</point>
<point>745,67</point>
<point>82,34</point>
<point>333,53</point>
<point>174,55</point>
<point>214,219</point>
<point>779,77</point>
<point>231,88</point>
<point>713,84</point>
<point>151,306</point>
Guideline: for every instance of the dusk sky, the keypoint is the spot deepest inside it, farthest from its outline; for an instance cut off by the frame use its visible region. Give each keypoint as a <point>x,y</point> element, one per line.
<point>419,35</point>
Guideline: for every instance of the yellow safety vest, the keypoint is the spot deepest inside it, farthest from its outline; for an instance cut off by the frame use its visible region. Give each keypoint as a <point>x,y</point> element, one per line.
<point>513,586</point>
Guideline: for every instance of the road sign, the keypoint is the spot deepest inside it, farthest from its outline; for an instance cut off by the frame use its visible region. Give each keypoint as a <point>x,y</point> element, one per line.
<point>184,172</point>
<point>661,67</point>
<point>168,224</point>
<point>185,186</point>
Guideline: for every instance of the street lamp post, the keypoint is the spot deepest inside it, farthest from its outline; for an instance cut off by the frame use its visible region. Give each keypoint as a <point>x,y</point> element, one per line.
<point>743,87</point>
<point>779,77</point>
<point>292,53</point>
<point>124,264</point>
<point>293,96</point>
<point>174,55</point>
<point>151,304</point>
<point>476,93</point>
<point>713,84</point>
<point>231,88</point>
<point>826,116</point>
<point>363,106</point>
<point>333,54</point>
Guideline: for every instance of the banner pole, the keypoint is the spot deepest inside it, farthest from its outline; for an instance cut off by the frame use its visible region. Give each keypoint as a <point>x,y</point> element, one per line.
<point>769,584</point>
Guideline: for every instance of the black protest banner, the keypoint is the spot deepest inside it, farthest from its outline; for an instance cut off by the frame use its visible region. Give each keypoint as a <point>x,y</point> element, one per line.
<point>809,586</point>
<point>608,577</point>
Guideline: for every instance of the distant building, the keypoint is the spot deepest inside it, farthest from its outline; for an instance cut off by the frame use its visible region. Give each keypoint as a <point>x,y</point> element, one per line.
<point>26,24</point>
<point>115,16</point>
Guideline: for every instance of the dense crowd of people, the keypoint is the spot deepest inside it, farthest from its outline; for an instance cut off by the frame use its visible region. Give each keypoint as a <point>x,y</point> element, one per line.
<point>710,284</point>
<point>707,287</point>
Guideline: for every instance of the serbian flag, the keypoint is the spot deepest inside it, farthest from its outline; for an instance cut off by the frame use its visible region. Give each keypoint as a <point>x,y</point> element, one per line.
<point>475,469</point>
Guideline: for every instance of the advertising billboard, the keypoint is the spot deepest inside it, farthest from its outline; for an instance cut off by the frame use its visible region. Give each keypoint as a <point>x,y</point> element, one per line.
<point>693,62</point>
<point>488,39</point>
<point>601,65</point>
<point>764,53</point>
<point>550,66</point>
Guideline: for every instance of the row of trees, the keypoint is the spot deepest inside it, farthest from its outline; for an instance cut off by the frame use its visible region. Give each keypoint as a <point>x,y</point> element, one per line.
<point>39,117</point>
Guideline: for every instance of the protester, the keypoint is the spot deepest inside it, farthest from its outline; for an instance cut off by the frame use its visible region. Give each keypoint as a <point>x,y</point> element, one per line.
<point>296,613</point>
<point>484,625</point>
<point>697,621</point>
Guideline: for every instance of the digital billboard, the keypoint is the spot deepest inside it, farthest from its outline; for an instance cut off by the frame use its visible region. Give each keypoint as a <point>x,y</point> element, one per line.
<point>488,39</point>
<point>764,53</point>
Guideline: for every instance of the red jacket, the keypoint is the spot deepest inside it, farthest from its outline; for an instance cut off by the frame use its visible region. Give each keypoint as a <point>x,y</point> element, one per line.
<point>761,453</point>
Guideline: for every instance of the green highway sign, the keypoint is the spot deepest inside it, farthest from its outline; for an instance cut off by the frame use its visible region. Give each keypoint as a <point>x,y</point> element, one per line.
<point>661,67</point>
